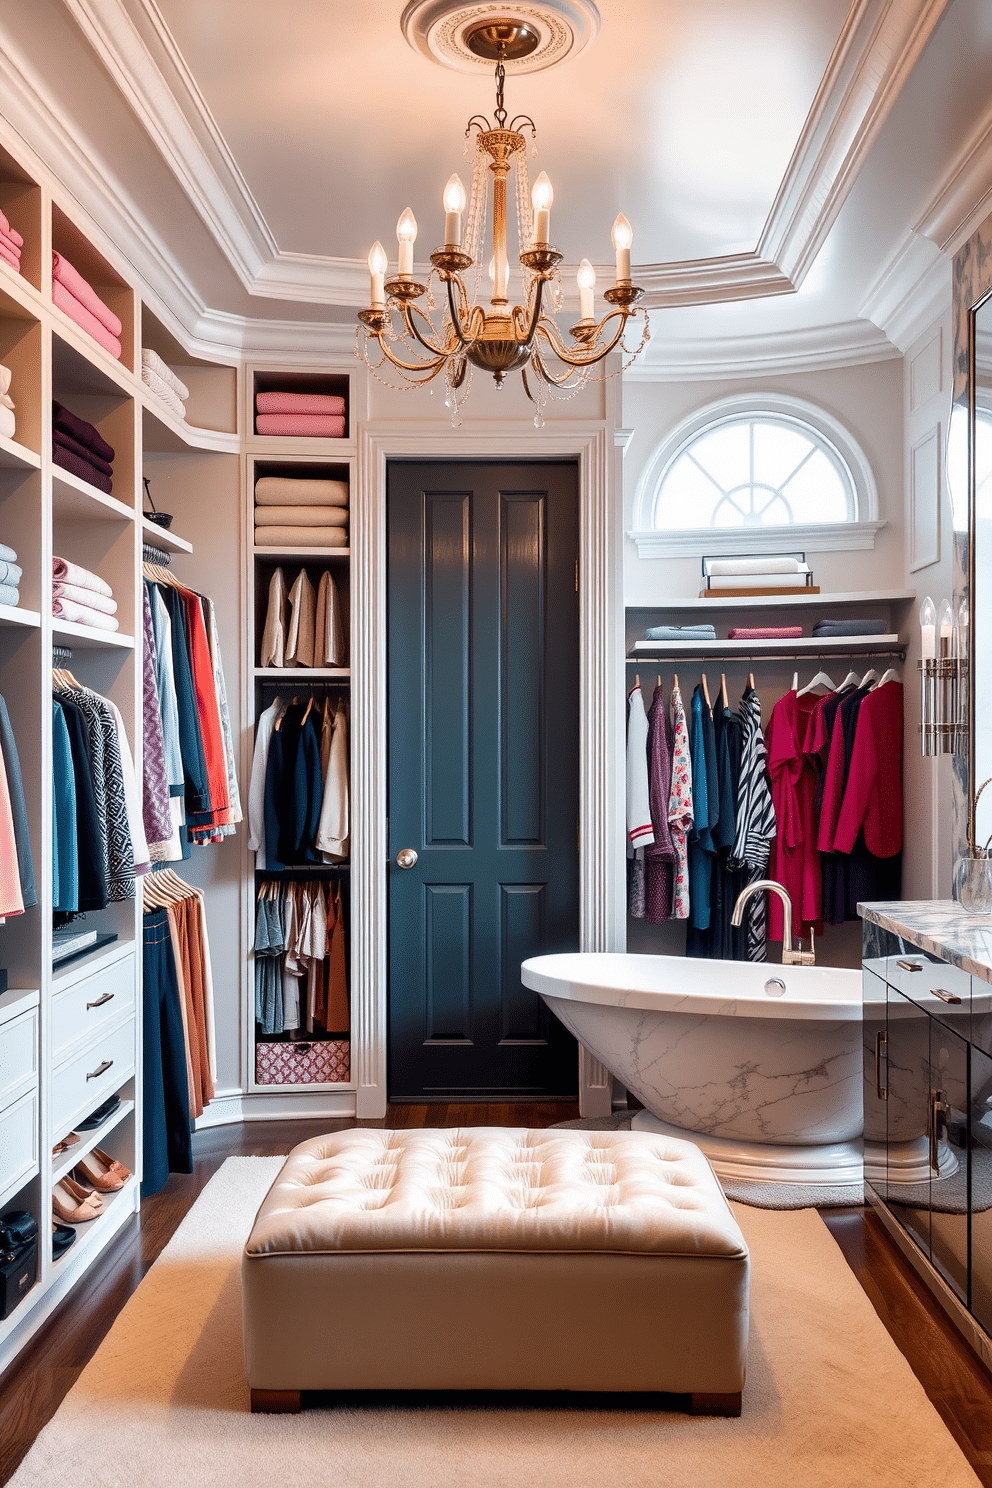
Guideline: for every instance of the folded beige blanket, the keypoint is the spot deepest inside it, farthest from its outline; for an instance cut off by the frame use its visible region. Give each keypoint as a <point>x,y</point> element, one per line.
<point>163,391</point>
<point>152,362</point>
<point>8,423</point>
<point>301,537</point>
<point>283,490</point>
<point>64,572</point>
<point>77,614</point>
<point>88,597</point>
<point>292,516</point>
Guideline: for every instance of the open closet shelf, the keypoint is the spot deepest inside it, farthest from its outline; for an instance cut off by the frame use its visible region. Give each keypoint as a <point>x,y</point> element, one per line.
<point>155,536</point>
<point>301,674</point>
<point>66,1161</point>
<point>14,615</point>
<point>72,497</point>
<point>767,650</point>
<point>14,456</point>
<point>303,553</point>
<point>792,599</point>
<point>83,636</point>
<point>97,1232</point>
<point>81,365</point>
<point>163,433</point>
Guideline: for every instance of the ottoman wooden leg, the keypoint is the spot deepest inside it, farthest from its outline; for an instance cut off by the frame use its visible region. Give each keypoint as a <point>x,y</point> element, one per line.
<point>276,1402</point>
<point>716,1405</point>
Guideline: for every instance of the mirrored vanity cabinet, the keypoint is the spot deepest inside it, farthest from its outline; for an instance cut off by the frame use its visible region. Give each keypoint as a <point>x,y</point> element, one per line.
<point>928,964</point>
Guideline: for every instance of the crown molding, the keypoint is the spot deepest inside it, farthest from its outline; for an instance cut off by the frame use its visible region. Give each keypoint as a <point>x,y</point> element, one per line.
<point>696,542</point>
<point>964,198</point>
<point>775,354</point>
<point>874,54</point>
<point>912,291</point>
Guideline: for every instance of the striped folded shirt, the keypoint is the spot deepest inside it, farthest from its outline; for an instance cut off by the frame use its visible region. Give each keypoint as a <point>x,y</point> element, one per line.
<point>765,633</point>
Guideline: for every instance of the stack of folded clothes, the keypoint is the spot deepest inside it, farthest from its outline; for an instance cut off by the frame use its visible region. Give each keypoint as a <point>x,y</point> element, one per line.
<point>160,379</point>
<point>292,513</point>
<point>10,576</point>
<point>11,244</point>
<point>310,415</point>
<point>850,628</point>
<point>80,301</point>
<point>7,421</point>
<point>82,597</point>
<point>765,633</point>
<point>81,449</point>
<point>680,633</point>
<point>745,576</point>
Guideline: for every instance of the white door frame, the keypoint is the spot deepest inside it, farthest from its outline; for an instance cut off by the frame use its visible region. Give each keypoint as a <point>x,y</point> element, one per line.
<point>601,849</point>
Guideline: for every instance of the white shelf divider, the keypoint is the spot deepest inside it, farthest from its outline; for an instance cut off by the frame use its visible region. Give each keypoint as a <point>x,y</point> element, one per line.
<point>17,456</point>
<point>83,636</point>
<point>159,537</point>
<point>72,497</point>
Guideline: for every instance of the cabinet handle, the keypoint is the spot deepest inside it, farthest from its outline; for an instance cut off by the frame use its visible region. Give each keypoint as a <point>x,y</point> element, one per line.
<point>910,965</point>
<point>881,1037</point>
<point>938,1106</point>
<point>101,1069</point>
<point>107,997</point>
<point>944,995</point>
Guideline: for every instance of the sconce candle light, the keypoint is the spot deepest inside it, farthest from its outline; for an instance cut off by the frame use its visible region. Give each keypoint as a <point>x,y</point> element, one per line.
<point>942,672</point>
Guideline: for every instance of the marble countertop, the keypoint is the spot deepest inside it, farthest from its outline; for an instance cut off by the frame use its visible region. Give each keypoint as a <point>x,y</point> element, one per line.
<point>941,927</point>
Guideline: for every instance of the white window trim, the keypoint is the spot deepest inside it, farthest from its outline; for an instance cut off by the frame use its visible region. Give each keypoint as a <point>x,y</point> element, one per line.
<point>818,537</point>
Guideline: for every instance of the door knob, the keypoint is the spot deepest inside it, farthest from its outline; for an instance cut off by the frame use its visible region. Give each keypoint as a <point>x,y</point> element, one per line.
<point>406,857</point>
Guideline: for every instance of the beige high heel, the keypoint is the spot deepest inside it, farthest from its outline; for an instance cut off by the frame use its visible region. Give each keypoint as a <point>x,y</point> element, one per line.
<point>103,1171</point>
<point>75,1204</point>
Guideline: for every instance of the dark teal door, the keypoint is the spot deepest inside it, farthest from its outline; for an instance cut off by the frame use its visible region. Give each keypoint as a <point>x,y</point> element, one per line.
<point>483,774</point>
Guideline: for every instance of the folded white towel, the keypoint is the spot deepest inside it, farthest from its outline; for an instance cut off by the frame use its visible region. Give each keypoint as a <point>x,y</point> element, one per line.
<point>290,516</point>
<point>769,565</point>
<point>8,594</point>
<point>5,376</point>
<point>301,537</point>
<point>163,392</point>
<point>10,573</point>
<point>154,363</point>
<point>8,423</point>
<point>64,572</point>
<point>77,614</point>
<point>284,490</point>
<point>7,554</point>
<point>757,581</point>
<point>88,597</point>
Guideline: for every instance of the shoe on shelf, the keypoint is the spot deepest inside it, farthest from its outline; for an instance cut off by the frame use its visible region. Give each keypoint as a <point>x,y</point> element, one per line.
<point>73,1203</point>
<point>104,1172</point>
<point>66,1143</point>
<point>63,1236</point>
<point>98,1117</point>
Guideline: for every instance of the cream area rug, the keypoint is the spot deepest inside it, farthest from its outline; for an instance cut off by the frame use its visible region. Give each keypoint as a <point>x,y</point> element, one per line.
<point>829,1401</point>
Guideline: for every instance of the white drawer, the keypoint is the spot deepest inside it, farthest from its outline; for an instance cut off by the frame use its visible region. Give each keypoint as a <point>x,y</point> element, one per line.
<point>86,1079</point>
<point>18,1144</point>
<point>86,1007</point>
<point>942,989</point>
<point>18,1057</point>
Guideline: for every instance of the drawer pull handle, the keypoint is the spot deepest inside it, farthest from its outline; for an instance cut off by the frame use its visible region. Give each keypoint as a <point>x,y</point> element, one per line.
<point>910,965</point>
<point>944,995</point>
<point>101,1069</point>
<point>881,1041</point>
<point>107,997</point>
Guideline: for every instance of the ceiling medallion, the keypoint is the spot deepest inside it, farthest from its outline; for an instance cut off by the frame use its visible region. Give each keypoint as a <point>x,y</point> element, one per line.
<point>503,338</point>
<point>441,30</point>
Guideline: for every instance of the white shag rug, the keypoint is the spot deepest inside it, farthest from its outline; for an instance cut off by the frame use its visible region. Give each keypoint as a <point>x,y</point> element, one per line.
<point>829,1401</point>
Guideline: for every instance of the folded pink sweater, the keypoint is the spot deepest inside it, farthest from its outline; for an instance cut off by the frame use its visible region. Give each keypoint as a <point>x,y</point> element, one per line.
<point>74,282</point>
<point>78,312</point>
<point>299,403</point>
<point>10,257</point>
<point>10,232</point>
<point>12,241</point>
<point>313,425</point>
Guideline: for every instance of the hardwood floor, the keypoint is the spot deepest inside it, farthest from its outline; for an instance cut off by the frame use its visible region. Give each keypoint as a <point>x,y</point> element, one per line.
<point>32,1389</point>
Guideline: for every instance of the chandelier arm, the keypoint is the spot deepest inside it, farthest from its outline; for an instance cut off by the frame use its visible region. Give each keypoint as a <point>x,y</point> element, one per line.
<point>537,293</point>
<point>552,335</point>
<point>476,316</point>
<point>428,368</point>
<point>544,372</point>
<point>408,321</point>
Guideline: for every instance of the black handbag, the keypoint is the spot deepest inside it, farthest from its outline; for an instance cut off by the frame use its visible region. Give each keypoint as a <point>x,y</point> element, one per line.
<point>18,1258</point>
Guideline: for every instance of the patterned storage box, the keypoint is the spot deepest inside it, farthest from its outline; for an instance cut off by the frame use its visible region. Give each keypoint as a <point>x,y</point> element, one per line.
<point>322,1062</point>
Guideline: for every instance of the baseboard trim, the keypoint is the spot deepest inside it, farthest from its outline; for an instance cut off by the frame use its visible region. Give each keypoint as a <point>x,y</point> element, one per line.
<point>230,1108</point>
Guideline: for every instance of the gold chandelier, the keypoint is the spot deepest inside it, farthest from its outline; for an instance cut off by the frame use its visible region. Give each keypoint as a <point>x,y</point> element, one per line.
<point>503,338</point>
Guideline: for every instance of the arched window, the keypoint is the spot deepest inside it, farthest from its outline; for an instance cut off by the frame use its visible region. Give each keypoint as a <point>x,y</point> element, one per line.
<point>751,472</point>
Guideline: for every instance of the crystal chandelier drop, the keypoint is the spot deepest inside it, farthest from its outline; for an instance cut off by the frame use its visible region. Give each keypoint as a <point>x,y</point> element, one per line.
<point>503,338</point>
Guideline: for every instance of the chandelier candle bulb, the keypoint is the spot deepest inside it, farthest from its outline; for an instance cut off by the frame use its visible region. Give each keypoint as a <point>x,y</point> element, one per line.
<point>454,206</point>
<point>378,263</point>
<point>623,236</point>
<point>586,280</point>
<point>542,196</point>
<point>928,630</point>
<point>406,236</point>
<point>946,628</point>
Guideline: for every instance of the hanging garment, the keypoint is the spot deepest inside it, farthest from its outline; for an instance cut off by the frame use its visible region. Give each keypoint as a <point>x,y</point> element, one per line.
<point>195,782</point>
<point>165,684</point>
<point>269,947</point>
<point>18,809</point>
<point>167,1141</point>
<point>292,967</point>
<point>659,857</point>
<point>65,852</point>
<point>235,814</point>
<point>156,812</point>
<point>680,816</point>
<point>755,822</point>
<point>705,813</point>
<point>337,1019</point>
<point>273,652</point>
<point>256,787</point>
<point>330,643</point>
<point>132,795</point>
<point>640,833</point>
<point>313,953</point>
<point>208,718</point>
<point>90,835</point>
<point>873,794</point>
<point>302,622</point>
<point>794,860</point>
<point>107,774</point>
<point>333,828</point>
<point>837,866</point>
<point>725,941</point>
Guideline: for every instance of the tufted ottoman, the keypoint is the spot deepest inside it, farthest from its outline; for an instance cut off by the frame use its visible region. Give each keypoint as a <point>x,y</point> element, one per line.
<point>496,1258</point>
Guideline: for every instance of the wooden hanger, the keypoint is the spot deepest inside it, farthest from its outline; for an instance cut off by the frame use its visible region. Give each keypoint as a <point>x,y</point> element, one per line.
<point>675,682</point>
<point>66,680</point>
<point>723,689</point>
<point>750,681</point>
<point>706,693</point>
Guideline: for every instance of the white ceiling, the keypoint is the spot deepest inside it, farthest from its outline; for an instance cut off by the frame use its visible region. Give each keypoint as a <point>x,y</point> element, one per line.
<point>792,170</point>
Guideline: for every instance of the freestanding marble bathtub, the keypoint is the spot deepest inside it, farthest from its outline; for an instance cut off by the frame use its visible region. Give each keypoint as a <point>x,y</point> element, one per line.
<point>758,1064</point>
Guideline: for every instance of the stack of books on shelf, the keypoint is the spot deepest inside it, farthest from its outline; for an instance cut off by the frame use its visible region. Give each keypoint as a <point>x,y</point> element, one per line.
<point>750,578</point>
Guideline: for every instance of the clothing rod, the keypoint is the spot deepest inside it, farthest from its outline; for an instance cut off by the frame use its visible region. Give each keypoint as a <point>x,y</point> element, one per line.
<point>796,659</point>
